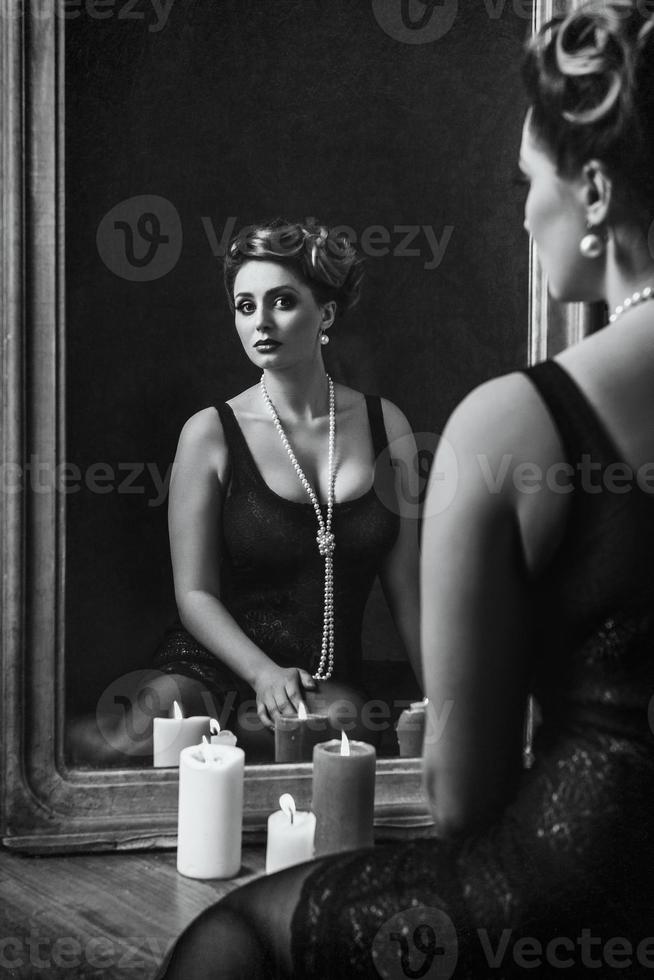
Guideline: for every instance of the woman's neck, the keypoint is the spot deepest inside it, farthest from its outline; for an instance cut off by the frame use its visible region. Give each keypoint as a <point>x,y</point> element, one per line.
<point>624,278</point>
<point>300,393</point>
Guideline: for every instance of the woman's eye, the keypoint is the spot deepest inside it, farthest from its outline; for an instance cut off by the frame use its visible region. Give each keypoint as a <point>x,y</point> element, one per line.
<point>285,302</point>
<point>245,308</point>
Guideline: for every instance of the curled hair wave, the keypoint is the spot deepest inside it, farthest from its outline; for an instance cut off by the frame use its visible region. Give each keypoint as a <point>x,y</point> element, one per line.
<point>324,259</point>
<point>590,79</point>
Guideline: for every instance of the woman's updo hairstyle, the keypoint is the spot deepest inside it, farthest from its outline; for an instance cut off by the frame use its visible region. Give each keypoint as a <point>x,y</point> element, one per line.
<point>590,79</point>
<point>326,261</point>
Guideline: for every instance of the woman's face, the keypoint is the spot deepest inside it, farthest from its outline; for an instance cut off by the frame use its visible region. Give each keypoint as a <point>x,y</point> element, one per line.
<point>276,316</point>
<point>555,216</point>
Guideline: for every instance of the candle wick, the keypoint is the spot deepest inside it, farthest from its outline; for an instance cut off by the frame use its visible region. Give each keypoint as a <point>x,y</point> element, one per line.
<point>292,815</point>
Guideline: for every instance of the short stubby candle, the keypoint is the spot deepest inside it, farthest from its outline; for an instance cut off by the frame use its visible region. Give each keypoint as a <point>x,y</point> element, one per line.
<point>220,736</point>
<point>295,736</point>
<point>210,820</point>
<point>290,836</point>
<point>411,729</point>
<point>171,735</point>
<point>343,795</point>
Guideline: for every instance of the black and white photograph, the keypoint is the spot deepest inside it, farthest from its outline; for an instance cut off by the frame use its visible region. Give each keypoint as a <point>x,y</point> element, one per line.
<point>327,489</point>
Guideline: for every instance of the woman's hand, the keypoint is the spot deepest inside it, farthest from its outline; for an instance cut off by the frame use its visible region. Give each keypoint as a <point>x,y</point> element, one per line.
<point>280,690</point>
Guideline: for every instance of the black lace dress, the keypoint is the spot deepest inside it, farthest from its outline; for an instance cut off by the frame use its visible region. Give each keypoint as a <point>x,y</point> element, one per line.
<point>272,575</point>
<point>571,861</point>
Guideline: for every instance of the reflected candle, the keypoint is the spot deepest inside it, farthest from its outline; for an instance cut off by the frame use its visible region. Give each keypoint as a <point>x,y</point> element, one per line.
<point>220,737</point>
<point>171,735</point>
<point>296,736</point>
<point>411,729</point>
<point>210,814</point>
<point>290,836</point>
<point>343,795</point>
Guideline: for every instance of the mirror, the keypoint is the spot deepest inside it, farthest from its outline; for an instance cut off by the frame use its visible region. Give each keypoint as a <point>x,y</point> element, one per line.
<point>154,135</point>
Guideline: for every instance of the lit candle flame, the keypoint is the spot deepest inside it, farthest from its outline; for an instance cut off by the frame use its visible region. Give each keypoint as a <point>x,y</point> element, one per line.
<point>302,712</point>
<point>287,805</point>
<point>345,744</point>
<point>177,711</point>
<point>214,726</point>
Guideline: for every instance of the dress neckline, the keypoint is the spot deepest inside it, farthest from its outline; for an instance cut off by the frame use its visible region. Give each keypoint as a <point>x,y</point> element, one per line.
<point>338,504</point>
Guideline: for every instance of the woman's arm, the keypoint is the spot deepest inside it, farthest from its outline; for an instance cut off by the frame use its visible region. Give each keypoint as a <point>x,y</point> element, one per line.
<point>399,573</point>
<point>194,519</point>
<point>476,610</point>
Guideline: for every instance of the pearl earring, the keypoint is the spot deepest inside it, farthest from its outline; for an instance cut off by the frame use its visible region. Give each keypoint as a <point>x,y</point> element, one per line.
<point>324,339</point>
<point>592,246</point>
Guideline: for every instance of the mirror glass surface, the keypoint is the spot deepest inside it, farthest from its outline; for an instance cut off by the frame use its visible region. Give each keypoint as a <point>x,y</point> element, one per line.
<point>190,120</point>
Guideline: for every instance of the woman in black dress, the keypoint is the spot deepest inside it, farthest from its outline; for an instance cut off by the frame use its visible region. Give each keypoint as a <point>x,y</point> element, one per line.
<point>538,576</point>
<point>279,523</point>
<point>283,510</point>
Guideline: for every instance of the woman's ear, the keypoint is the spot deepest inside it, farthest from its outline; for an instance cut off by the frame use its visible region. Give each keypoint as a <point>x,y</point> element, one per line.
<point>597,190</point>
<point>328,314</point>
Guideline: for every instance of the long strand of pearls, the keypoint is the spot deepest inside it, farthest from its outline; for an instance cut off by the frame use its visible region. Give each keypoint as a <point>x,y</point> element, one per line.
<point>325,537</point>
<point>634,300</point>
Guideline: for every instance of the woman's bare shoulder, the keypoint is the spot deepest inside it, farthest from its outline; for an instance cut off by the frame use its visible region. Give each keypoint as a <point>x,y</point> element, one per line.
<point>202,427</point>
<point>503,426</point>
<point>202,439</point>
<point>395,420</point>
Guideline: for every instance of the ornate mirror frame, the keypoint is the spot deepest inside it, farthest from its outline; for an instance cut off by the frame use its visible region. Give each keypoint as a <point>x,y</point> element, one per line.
<point>46,805</point>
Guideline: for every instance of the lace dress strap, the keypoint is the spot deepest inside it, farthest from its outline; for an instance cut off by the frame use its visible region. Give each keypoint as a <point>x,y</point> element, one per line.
<point>577,422</point>
<point>377,427</point>
<point>241,461</point>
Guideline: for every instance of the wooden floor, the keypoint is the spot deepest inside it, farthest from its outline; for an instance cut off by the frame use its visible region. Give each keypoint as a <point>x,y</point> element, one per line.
<point>99,915</point>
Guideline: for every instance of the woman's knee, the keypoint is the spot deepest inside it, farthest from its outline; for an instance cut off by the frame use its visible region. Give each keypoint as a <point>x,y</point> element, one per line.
<point>220,943</point>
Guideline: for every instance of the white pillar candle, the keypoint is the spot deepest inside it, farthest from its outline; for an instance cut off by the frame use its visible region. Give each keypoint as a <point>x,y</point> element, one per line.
<point>171,735</point>
<point>220,737</point>
<point>290,836</point>
<point>210,819</point>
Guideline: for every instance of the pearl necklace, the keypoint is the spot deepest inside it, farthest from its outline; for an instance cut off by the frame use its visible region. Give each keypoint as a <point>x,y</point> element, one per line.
<point>633,300</point>
<point>325,538</point>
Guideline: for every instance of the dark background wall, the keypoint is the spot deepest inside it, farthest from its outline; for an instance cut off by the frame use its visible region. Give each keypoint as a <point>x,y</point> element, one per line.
<point>246,108</point>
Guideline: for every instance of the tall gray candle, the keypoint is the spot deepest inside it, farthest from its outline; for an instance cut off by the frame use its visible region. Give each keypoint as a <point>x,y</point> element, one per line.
<point>343,795</point>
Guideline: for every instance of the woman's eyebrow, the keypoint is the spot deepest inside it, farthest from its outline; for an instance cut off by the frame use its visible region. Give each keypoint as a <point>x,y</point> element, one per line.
<point>269,292</point>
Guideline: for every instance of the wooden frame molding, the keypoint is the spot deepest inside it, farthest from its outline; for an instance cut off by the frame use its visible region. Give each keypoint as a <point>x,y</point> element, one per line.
<point>45,805</point>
